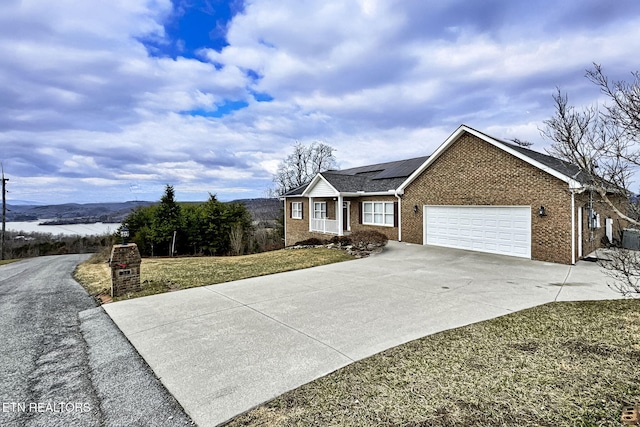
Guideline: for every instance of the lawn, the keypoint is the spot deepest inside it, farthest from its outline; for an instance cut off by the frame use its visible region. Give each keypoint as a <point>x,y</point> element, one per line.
<point>168,274</point>
<point>560,364</point>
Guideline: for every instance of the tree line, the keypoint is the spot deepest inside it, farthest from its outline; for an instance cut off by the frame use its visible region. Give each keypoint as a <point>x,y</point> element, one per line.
<point>209,228</point>
<point>32,244</point>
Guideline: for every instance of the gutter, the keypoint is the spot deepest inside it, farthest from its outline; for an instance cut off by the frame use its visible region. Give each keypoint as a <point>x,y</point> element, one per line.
<point>284,220</point>
<point>392,192</point>
<point>573,227</point>
<point>399,217</point>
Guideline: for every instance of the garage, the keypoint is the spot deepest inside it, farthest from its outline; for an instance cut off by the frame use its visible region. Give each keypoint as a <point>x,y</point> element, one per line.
<point>504,230</point>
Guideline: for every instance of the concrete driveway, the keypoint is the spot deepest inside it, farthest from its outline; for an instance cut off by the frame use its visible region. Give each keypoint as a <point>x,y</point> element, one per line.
<point>226,348</point>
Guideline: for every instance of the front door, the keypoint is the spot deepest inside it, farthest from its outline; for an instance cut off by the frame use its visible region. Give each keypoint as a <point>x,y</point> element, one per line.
<point>580,225</point>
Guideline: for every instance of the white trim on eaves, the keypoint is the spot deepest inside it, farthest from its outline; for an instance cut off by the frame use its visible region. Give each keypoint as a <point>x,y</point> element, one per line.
<point>324,188</point>
<point>573,184</point>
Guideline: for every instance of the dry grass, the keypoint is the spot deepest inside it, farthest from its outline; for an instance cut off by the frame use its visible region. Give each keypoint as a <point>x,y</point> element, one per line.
<point>8,261</point>
<point>561,364</point>
<point>167,274</point>
<point>93,277</point>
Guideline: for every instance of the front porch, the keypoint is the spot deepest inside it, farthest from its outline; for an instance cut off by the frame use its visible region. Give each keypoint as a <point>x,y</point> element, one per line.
<point>330,216</point>
<point>327,226</point>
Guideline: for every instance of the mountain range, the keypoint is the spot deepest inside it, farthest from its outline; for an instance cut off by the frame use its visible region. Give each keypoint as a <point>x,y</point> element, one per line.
<point>88,213</point>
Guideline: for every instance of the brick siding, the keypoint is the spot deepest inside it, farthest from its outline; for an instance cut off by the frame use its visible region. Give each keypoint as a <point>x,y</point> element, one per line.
<point>474,172</point>
<point>390,232</point>
<point>298,229</point>
<point>593,238</point>
<point>125,269</point>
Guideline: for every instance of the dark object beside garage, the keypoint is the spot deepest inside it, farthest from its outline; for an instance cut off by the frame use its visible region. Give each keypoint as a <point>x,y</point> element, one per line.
<point>631,239</point>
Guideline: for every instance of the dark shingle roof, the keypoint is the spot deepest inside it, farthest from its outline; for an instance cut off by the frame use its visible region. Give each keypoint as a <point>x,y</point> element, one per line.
<point>297,191</point>
<point>369,178</point>
<point>395,169</point>
<point>565,168</point>
<point>354,183</point>
<point>382,177</point>
<point>373,178</point>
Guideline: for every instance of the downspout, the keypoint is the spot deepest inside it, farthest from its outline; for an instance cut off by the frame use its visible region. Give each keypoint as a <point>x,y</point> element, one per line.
<point>284,220</point>
<point>573,227</point>
<point>592,213</point>
<point>399,197</point>
<point>339,214</point>
<point>399,218</point>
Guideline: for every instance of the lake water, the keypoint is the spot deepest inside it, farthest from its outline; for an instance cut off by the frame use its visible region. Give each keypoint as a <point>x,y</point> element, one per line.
<point>98,228</point>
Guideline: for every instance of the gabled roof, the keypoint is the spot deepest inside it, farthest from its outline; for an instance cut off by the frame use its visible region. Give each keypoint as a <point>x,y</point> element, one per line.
<point>396,169</point>
<point>560,166</point>
<point>396,175</point>
<point>296,191</point>
<point>380,177</point>
<point>571,174</point>
<point>373,178</point>
<point>565,168</point>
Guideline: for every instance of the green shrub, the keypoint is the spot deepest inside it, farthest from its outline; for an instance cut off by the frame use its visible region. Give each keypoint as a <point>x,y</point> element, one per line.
<point>364,238</point>
<point>313,241</point>
<point>342,240</point>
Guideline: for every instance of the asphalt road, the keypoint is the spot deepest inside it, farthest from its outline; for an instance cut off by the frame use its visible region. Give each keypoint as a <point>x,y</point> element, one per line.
<point>62,360</point>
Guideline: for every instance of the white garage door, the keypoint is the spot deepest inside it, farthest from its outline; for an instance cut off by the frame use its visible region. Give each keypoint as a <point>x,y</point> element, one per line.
<point>504,230</point>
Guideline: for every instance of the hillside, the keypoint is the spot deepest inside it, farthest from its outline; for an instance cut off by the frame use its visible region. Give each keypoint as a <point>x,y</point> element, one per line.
<point>88,213</point>
<point>263,209</point>
<point>71,213</point>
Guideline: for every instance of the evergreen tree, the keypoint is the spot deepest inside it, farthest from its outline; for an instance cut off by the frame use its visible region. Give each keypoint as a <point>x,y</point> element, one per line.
<point>140,223</point>
<point>166,221</point>
<point>201,229</point>
<point>193,231</point>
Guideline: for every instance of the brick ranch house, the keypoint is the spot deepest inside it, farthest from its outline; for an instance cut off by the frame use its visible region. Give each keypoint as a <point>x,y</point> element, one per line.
<point>474,192</point>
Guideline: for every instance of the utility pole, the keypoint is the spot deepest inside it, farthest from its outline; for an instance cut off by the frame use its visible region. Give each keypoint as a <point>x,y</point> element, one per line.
<point>4,211</point>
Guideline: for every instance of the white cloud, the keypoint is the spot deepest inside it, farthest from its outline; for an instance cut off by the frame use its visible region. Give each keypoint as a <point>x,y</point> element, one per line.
<point>77,164</point>
<point>86,108</point>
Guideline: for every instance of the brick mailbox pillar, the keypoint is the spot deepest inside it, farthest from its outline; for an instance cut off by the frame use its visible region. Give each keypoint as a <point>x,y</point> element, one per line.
<point>125,269</point>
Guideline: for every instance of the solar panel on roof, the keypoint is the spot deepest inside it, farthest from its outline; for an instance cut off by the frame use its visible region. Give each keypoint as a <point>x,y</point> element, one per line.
<point>368,172</point>
<point>402,168</point>
<point>369,168</point>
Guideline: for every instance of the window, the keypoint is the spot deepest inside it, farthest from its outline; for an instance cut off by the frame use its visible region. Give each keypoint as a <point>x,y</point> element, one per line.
<point>296,210</point>
<point>378,213</point>
<point>320,210</point>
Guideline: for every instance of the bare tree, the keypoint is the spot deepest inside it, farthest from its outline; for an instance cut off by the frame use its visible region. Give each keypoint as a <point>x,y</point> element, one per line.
<point>624,110</point>
<point>302,165</point>
<point>236,240</point>
<point>599,143</point>
<point>521,142</point>
<point>605,144</point>
<point>623,266</point>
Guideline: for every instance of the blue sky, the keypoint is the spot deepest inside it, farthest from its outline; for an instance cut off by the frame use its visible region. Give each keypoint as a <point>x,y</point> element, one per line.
<point>110,101</point>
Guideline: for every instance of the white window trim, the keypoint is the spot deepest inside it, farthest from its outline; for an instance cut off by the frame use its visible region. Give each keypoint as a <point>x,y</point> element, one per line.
<point>373,214</point>
<point>296,210</point>
<point>323,209</point>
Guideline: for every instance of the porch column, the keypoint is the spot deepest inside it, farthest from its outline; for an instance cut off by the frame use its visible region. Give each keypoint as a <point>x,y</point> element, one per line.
<point>339,216</point>
<point>310,212</point>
